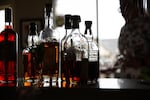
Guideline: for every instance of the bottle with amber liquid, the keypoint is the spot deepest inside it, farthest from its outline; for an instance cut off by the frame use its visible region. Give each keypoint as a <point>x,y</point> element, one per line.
<point>49,38</point>
<point>8,52</point>
<point>76,48</point>
<point>67,25</point>
<point>31,57</point>
<point>93,72</point>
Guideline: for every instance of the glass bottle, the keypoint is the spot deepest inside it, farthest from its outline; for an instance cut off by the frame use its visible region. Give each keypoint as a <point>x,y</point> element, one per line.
<point>8,52</point>
<point>49,38</point>
<point>63,54</point>
<point>93,73</point>
<point>31,56</point>
<point>76,48</point>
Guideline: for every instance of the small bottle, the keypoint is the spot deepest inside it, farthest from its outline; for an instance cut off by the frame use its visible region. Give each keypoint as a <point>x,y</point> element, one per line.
<point>76,48</point>
<point>63,54</point>
<point>93,73</point>
<point>49,38</point>
<point>31,62</point>
<point>8,52</point>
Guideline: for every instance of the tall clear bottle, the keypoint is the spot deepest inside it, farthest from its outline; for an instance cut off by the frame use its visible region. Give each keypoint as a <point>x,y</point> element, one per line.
<point>31,57</point>
<point>49,38</point>
<point>76,48</point>
<point>93,73</point>
<point>8,52</point>
<point>63,54</point>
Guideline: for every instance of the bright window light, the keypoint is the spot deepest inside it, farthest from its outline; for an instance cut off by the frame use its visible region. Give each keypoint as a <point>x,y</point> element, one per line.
<point>110,19</point>
<point>2,20</point>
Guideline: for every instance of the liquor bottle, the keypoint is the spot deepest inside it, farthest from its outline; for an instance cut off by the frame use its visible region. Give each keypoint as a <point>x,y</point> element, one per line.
<point>31,57</point>
<point>76,48</point>
<point>8,52</point>
<point>49,38</point>
<point>63,54</point>
<point>93,73</point>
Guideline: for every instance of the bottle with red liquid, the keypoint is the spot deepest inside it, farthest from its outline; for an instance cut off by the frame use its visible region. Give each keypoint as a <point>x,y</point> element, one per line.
<point>8,52</point>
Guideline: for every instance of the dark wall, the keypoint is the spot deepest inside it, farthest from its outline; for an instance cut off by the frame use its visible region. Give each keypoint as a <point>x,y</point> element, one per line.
<point>23,10</point>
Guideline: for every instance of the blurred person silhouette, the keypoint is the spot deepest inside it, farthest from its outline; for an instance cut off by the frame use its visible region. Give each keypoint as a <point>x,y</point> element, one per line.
<point>134,41</point>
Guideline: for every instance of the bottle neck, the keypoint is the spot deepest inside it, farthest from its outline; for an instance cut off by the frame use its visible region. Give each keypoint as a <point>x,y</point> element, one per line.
<point>8,25</point>
<point>32,40</point>
<point>67,31</point>
<point>88,34</point>
<point>88,31</point>
<point>75,31</point>
<point>49,20</point>
<point>75,27</point>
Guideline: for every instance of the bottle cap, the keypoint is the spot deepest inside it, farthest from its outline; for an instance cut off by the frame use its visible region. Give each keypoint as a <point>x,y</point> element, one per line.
<point>88,24</point>
<point>67,21</point>
<point>48,7</point>
<point>75,21</point>
<point>32,28</point>
<point>76,18</point>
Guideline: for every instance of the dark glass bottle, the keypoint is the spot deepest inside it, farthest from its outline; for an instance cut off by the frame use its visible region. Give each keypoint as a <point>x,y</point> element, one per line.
<point>76,48</point>
<point>8,52</point>
<point>31,57</point>
<point>93,73</point>
<point>49,38</point>
<point>63,54</point>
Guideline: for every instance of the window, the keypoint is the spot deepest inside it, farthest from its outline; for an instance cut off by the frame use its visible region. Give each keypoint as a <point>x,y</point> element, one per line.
<point>110,22</point>
<point>85,8</point>
<point>107,22</point>
<point>2,19</point>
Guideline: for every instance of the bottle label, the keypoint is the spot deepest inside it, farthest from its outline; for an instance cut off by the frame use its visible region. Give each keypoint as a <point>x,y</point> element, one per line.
<point>78,55</point>
<point>93,55</point>
<point>51,58</point>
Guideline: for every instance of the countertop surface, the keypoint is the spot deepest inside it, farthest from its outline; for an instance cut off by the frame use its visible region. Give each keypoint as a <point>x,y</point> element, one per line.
<point>102,83</point>
<point>104,88</point>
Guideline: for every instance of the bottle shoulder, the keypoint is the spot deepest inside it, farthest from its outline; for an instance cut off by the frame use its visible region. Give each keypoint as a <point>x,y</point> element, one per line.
<point>8,34</point>
<point>8,31</point>
<point>49,34</point>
